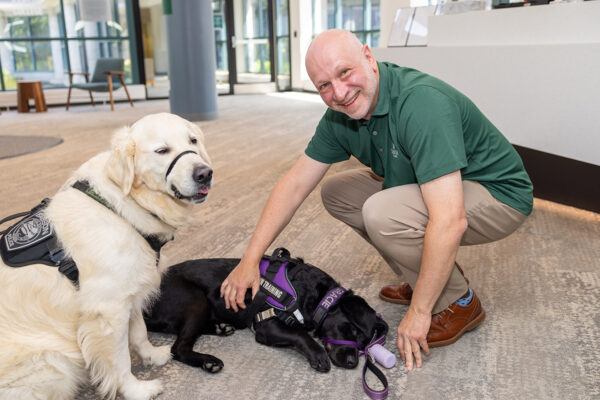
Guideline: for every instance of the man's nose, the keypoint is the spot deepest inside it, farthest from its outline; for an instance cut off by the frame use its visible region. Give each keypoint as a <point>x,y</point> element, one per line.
<point>339,91</point>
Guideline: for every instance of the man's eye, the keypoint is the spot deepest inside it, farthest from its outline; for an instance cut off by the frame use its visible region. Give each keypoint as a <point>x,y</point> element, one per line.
<point>193,140</point>
<point>162,150</point>
<point>323,86</point>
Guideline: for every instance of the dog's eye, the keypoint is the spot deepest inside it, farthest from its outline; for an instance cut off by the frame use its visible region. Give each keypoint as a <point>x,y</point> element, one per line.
<point>162,150</point>
<point>193,140</point>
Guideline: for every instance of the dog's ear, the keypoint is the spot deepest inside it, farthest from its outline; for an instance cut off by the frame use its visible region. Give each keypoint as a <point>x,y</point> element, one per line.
<point>363,316</point>
<point>121,168</point>
<point>200,135</point>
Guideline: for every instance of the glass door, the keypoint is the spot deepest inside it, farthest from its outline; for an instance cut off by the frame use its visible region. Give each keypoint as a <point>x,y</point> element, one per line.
<point>251,42</point>
<point>156,54</point>
<point>260,45</point>
<point>221,46</point>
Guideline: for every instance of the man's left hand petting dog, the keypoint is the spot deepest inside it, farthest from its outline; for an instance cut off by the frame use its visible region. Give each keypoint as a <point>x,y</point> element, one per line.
<point>110,218</point>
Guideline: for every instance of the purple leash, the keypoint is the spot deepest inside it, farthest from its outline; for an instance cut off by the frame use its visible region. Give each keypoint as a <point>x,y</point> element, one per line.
<point>370,364</point>
<point>320,313</point>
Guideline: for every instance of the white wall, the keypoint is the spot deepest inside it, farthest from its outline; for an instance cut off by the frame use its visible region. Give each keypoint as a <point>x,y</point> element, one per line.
<point>534,71</point>
<point>546,98</point>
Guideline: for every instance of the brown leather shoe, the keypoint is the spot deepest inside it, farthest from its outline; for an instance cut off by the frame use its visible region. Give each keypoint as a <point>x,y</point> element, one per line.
<point>399,294</point>
<point>449,325</point>
<point>402,293</point>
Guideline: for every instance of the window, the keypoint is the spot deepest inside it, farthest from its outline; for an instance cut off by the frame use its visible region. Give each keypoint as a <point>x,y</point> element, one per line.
<point>362,17</point>
<point>44,40</point>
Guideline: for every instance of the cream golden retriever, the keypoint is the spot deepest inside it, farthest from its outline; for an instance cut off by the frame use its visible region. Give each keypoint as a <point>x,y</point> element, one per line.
<point>55,336</point>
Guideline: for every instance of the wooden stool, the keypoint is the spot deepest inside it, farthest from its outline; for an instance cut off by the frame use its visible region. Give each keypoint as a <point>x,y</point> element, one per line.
<point>30,90</point>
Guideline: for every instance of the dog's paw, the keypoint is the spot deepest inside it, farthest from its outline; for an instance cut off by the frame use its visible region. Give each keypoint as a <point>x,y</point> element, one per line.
<point>223,329</point>
<point>211,364</point>
<point>320,362</point>
<point>141,390</point>
<point>157,355</point>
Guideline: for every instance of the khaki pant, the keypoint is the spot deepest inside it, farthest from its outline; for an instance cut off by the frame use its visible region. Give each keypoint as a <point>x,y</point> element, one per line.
<point>394,222</point>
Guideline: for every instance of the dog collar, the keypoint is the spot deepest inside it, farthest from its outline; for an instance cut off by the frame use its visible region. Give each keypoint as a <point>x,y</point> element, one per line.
<point>328,301</point>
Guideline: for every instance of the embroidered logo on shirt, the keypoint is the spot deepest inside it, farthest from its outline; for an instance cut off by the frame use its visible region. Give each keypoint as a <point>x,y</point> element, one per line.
<point>394,151</point>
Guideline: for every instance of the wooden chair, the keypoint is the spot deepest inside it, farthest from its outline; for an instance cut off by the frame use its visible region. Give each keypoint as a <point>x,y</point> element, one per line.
<point>102,80</point>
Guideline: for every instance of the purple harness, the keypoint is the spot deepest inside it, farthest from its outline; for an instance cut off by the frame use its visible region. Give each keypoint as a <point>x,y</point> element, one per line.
<point>276,295</point>
<point>279,292</point>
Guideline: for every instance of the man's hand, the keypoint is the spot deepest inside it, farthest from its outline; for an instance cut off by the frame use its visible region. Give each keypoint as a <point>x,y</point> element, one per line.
<point>233,289</point>
<point>412,336</point>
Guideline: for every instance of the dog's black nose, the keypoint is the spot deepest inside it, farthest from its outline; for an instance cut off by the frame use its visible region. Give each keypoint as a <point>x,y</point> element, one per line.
<point>202,174</point>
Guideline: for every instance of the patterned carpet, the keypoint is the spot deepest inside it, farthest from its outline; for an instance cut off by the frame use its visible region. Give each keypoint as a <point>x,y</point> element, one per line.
<point>540,287</point>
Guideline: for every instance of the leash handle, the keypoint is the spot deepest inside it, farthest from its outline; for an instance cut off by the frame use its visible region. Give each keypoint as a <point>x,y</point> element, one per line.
<point>374,394</point>
<point>370,364</point>
<point>10,217</point>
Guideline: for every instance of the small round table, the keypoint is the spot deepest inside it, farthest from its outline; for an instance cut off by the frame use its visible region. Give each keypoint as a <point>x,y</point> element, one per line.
<point>30,90</point>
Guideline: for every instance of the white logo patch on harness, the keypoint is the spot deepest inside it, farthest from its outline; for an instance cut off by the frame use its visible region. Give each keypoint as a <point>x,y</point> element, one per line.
<point>29,231</point>
<point>271,289</point>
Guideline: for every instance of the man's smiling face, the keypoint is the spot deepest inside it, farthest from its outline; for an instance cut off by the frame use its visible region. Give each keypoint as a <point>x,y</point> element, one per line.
<point>344,72</point>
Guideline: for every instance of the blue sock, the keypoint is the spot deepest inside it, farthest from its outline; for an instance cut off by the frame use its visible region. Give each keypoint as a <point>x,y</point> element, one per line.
<point>466,299</point>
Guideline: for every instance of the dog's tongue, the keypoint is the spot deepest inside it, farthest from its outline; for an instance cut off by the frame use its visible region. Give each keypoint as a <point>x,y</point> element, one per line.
<point>203,191</point>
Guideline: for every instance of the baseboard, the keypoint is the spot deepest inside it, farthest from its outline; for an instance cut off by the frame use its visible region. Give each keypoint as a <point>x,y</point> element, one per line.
<point>562,180</point>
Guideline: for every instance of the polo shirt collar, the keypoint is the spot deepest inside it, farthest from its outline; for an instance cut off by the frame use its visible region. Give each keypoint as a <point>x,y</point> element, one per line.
<point>383,97</point>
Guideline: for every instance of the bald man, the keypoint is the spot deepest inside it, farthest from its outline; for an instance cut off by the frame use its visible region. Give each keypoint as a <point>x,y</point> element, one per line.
<point>439,175</point>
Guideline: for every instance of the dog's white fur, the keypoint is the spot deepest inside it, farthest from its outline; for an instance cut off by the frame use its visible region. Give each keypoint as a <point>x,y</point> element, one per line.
<point>53,337</point>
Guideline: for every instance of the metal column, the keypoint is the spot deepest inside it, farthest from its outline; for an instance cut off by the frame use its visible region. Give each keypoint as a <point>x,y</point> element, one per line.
<point>192,63</point>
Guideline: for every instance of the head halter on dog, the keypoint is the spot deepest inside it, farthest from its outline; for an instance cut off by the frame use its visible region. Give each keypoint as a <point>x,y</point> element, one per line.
<point>175,160</point>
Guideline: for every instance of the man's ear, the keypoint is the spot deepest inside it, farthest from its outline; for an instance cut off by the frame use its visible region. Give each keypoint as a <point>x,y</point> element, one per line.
<point>369,56</point>
<point>120,166</point>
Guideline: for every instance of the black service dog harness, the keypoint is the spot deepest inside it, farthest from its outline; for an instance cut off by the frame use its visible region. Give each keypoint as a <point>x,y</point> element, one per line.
<point>33,240</point>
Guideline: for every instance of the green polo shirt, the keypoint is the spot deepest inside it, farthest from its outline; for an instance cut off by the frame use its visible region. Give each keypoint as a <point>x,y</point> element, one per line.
<point>421,129</point>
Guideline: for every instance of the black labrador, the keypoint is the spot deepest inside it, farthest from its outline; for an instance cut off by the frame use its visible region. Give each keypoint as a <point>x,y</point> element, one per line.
<point>190,305</point>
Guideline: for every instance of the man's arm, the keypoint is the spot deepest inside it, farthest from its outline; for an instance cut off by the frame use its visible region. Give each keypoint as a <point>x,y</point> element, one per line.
<point>286,197</point>
<point>447,223</point>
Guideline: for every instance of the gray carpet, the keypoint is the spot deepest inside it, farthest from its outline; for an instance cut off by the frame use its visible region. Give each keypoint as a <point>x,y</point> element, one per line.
<point>540,287</point>
<point>13,146</point>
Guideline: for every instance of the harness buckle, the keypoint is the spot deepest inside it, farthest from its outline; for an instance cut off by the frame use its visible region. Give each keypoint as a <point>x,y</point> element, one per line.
<point>67,268</point>
<point>57,255</point>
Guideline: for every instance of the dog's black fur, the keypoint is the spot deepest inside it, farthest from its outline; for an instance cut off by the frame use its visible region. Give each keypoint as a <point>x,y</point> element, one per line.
<point>190,305</point>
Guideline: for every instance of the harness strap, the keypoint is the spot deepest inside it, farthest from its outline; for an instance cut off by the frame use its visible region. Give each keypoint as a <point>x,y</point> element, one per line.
<point>253,309</point>
<point>42,204</point>
<point>66,265</point>
<point>155,243</point>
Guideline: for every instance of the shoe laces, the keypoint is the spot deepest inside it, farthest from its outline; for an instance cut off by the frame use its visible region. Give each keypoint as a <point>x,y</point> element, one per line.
<point>447,309</point>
